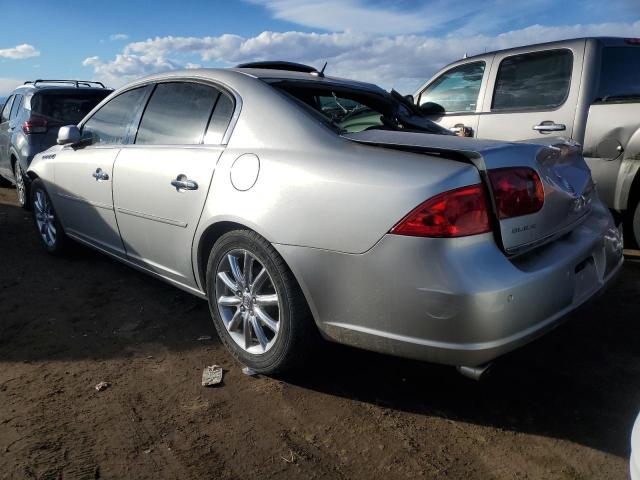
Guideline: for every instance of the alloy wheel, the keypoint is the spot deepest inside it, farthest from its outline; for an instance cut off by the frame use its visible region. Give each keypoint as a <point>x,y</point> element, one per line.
<point>45,218</point>
<point>248,301</point>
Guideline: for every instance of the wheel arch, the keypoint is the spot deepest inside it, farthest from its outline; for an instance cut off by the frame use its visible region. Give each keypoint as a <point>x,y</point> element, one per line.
<point>209,237</point>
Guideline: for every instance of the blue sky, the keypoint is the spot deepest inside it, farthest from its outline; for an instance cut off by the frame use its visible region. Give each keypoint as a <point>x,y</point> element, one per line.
<point>396,43</point>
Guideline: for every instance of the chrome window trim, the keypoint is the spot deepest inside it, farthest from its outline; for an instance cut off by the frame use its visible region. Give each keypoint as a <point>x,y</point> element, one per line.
<point>223,87</point>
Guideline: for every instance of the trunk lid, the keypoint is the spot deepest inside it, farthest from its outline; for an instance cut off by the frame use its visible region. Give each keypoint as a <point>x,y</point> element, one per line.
<point>566,179</point>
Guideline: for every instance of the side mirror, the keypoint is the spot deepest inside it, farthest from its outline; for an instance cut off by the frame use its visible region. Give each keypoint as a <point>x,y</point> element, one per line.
<point>431,108</point>
<point>410,99</point>
<point>69,135</point>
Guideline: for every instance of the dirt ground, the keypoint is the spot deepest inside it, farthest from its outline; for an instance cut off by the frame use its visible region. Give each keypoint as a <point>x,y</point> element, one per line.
<point>562,407</point>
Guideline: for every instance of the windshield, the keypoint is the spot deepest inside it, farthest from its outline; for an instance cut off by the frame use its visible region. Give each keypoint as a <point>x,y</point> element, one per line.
<point>66,108</point>
<point>349,109</point>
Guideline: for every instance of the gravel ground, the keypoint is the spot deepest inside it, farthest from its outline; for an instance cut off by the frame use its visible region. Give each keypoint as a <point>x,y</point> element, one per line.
<point>562,407</point>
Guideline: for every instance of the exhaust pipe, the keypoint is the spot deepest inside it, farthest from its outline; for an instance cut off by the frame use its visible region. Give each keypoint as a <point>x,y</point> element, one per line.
<point>474,373</point>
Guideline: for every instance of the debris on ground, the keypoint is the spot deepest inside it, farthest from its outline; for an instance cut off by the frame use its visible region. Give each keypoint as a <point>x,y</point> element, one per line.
<point>211,376</point>
<point>249,371</point>
<point>102,386</point>
<point>203,338</point>
<point>291,458</point>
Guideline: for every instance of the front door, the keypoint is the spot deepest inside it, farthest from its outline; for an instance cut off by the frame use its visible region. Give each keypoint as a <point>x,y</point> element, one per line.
<point>84,173</point>
<point>533,94</point>
<point>162,181</point>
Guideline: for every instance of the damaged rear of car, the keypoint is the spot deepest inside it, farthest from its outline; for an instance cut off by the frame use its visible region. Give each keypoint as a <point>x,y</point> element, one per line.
<point>473,271</point>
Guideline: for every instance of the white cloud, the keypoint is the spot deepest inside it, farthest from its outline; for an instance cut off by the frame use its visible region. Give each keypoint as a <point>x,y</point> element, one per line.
<point>19,52</point>
<point>7,85</point>
<point>118,36</point>
<point>388,17</point>
<point>401,61</point>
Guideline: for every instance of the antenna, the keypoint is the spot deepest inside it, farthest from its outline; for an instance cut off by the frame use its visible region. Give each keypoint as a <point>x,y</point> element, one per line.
<point>321,72</point>
<point>465,55</point>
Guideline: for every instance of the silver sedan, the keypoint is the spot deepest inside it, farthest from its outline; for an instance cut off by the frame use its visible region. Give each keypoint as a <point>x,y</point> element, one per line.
<point>299,204</point>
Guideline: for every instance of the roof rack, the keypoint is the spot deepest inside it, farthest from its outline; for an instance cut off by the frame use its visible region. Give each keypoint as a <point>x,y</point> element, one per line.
<point>77,83</point>
<point>280,65</point>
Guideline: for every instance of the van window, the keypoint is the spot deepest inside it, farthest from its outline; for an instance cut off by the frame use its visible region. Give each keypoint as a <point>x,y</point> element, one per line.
<point>619,75</point>
<point>538,80</point>
<point>457,89</point>
<point>64,107</point>
<point>177,114</point>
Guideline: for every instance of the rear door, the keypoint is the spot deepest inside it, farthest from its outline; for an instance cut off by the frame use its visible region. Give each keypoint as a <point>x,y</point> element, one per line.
<point>84,176</point>
<point>5,167</point>
<point>453,97</point>
<point>533,93</point>
<point>162,181</point>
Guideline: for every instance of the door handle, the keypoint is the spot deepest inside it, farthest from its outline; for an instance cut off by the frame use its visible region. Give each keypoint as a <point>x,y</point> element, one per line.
<point>182,183</point>
<point>100,175</point>
<point>549,126</point>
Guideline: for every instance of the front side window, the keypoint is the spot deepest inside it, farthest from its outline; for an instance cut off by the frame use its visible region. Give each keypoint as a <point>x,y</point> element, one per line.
<point>177,114</point>
<point>539,80</point>
<point>619,74</point>
<point>457,89</point>
<point>110,124</point>
<point>17,103</point>
<point>4,117</point>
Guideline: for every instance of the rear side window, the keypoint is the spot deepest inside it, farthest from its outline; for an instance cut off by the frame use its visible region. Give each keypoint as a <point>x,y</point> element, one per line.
<point>65,108</point>
<point>219,120</point>
<point>457,89</point>
<point>539,80</point>
<point>4,117</point>
<point>110,124</point>
<point>177,114</point>
<point>17,103</point>
<point>619,74</point>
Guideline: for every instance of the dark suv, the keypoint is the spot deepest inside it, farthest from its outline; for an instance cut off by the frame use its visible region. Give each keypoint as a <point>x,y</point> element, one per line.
<point>30,120</point>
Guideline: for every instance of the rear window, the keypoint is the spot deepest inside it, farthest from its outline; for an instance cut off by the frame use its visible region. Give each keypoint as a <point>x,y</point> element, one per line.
<point>64,107</point>
<point>533,81</point>
<point>619,74</point>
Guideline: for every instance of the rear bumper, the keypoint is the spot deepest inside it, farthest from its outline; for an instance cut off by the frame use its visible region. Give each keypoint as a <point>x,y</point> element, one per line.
<point>454,301</point>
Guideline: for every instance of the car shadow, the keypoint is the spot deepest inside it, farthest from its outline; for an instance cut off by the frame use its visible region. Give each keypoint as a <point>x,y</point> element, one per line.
<point>579,383</point>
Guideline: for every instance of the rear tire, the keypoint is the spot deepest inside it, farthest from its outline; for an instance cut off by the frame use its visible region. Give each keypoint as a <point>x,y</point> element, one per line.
<point>22,191</point>
<point>46,221</point>
<point>261,316</point>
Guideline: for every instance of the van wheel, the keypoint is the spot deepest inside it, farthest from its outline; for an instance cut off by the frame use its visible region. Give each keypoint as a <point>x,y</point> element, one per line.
<point>257,306</point>
<point>46,221</point>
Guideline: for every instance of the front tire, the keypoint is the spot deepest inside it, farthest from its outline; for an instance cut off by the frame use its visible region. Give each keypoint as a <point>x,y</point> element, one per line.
<point>257,306</point>
<point>47,224</point>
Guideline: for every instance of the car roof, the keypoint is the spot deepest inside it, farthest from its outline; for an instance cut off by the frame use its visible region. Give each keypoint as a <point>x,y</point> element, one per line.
<point>224,74</point>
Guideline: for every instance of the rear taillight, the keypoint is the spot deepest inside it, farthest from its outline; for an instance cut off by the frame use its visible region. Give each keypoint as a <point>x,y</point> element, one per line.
<point>517,191</point>
<point>35,124</point>
<point>456,213</point>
